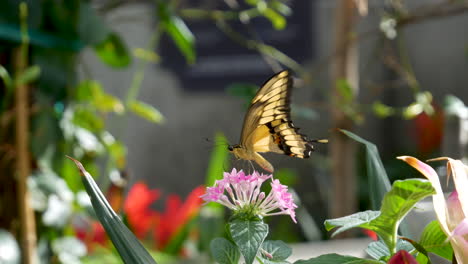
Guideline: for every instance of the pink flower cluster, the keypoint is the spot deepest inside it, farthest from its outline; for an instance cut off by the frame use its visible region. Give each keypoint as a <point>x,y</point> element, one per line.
<point>241,192</point>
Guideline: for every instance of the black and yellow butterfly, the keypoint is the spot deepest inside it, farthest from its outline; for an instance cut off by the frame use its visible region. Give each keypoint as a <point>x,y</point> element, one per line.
<point>268,126</point>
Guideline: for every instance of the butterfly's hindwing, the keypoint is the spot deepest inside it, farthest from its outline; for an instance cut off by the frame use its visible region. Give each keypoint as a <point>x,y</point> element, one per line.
<point>289,140</point>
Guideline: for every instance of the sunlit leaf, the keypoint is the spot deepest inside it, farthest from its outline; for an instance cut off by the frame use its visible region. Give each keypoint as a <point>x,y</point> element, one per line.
<point>113,51</point>
<point>276,19</point>
<point>86,118</point>
<point>434,240</point>
<point>361,219</point>
<point>146,111</point>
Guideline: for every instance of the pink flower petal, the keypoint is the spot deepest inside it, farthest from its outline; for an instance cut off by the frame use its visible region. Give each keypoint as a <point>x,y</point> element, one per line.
<point>438,198</point>
<point>460,177</point>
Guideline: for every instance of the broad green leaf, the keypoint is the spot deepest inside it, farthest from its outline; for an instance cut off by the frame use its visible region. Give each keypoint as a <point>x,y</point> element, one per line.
<point>146,111</point>
<point>91,27</point>
<point>396,204</point>
<point>337,259</point>
<point>127,245</point>
<point>434,240</point>
<point>379,183</point>
<point>178,31</point>
<point>223,251</point>
<point>276,19</point>
<point>361,219</point>
<point>381,110</point>
<point>277,250</point>
<point>248,236</point>
<point>29,75</point>
<point>113,51</point>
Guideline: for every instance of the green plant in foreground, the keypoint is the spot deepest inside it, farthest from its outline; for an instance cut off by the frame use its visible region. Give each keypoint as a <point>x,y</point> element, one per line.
<point>247,232</point>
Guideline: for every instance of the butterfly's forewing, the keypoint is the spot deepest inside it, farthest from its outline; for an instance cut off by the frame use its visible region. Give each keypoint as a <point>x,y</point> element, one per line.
<point>267,124</point>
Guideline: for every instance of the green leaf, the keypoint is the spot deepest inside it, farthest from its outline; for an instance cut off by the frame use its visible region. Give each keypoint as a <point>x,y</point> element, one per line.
<point>127,245</point>
<point>246,91</point>
<point>178,31</point>
<point>113,51</point>
<point>29,75</point>
<point>361,219</point>
<point>91,26</point>
<point>335,259</point>
<point>378,250</point>
<point>248,236</point>
<point>146,111</point>
<point>277,250</point>
<point>434,240</point>
<point>6,78</point>
<point>276,19</point>
<point>381,110</point>
<point>396,204</point>
<point>118,152</point>
<point>218,159</point>
<point>92,91</point>
<point>87,119</point>
<point>379,184</point>
<point>345,90</point>
<point>223,251</point>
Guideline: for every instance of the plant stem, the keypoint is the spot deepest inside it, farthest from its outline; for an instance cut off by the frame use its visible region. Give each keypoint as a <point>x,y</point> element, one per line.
<point>23,162</point>
<point>342,148</point>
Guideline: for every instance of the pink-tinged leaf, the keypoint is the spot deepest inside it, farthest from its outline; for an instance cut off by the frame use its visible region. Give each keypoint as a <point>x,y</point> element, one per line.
<point>402,257</point>
<point>438,198</point>
<point>460,177</point>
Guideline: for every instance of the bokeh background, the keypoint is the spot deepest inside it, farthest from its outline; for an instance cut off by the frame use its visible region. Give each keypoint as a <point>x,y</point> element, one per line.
<point>151,93</point>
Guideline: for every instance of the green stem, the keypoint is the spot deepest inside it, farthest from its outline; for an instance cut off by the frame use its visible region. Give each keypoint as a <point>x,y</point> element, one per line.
<point>139,75</point>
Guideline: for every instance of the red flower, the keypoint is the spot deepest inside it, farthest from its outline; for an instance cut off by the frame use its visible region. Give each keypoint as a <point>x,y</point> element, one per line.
<point>140,216</point>
<point>91,233</point>
<point>402,257</point>
<point>429,130</point>
<point>176,216</point>
<point>370,234</point>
